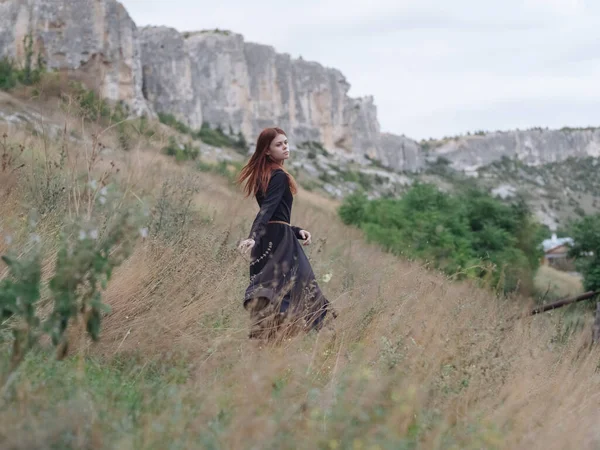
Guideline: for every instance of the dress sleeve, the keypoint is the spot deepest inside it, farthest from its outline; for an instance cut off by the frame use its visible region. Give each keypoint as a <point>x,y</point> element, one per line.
<point>273,196</point>
<point>296,231</point>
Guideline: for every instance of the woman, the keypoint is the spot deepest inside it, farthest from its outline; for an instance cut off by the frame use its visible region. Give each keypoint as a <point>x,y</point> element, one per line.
<point>282,288</point>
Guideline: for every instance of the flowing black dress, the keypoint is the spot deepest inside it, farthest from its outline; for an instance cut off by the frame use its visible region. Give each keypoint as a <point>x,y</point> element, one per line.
<point>282,282</point>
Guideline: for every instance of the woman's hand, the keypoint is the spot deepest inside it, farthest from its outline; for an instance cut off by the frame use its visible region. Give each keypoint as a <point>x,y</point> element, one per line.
<point>245,246</point>
<point>305,235</point>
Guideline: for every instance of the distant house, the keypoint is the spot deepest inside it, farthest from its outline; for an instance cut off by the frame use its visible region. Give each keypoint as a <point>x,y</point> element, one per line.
<point>556,253</point>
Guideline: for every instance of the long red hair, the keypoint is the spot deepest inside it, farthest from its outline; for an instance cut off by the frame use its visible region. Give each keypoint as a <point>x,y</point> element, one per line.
<point>257,172</point>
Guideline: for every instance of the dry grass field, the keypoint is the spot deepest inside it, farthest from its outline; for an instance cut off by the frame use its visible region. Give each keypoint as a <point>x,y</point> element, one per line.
<point>413,361</point>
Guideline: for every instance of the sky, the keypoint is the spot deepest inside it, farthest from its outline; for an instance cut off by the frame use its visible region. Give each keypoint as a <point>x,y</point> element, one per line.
<point>434,67</point>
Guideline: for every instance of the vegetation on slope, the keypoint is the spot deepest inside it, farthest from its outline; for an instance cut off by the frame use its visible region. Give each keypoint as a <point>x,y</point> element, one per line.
<point>211,136</point>
<point>553,284</point>
<point>586,234</point>
<point>414,360</point>
<point>470,235</point>
<point>12,75</point>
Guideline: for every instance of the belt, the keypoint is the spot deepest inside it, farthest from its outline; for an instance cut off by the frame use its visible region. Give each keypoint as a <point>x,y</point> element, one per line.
<point>279,221</point>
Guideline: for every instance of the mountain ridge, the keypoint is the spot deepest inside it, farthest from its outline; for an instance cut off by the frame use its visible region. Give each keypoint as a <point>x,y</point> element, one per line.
<point>218,78</point>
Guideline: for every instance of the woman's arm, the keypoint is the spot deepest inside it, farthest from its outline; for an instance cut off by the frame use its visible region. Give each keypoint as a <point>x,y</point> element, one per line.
<point>297,231</point>
<point>273,196</point>
<point>302,234</point>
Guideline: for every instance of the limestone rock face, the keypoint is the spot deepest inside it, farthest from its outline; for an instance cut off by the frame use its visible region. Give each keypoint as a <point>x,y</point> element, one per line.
<point>362,134</point>
<point>95,38</point>
<point>532,147</point>
<point>247,87</point>
<point>167,70</point>
<point>220,76</point>
<point>401,153</point>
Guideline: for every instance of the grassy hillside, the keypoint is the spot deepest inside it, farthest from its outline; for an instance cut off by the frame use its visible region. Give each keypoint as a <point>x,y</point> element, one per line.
<point>413,361</point>
<point>555,284</point>
<point>557,192</point>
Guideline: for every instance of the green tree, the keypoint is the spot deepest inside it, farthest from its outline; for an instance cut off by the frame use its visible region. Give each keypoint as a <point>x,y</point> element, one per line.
<point>462,234</point>
<point>586,248</point>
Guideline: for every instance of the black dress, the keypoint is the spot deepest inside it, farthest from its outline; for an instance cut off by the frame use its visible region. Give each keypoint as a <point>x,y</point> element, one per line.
<point>282,285</point>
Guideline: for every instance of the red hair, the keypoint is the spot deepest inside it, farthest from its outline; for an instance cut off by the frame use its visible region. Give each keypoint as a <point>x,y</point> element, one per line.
<point>257,172</point>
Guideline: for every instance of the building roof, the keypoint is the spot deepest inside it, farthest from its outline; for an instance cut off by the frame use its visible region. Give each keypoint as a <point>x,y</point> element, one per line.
<point>554,242</point>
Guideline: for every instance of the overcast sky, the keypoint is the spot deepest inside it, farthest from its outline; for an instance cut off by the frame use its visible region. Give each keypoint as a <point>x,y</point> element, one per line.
<point>435,67</point>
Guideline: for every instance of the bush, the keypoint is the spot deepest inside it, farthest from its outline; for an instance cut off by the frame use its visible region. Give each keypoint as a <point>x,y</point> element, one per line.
<point>215,137</point>
<point>586,234</point>
<point>11,75</point>
<point>364,180</point>
<point>8,74</point>
<point>314,148</point>
<point>181,152</point>
<point>95,108</point>
<point>171,121</point>
<point>461,234</point>
<point>227,169</point>
<point>89,249</point>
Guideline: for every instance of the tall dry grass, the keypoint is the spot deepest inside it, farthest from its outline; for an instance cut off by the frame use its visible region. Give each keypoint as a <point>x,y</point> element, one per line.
<point>413,360</point>
<point>555,284</point>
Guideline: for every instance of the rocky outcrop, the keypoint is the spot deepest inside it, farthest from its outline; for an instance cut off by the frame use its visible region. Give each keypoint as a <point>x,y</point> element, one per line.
<point>361,128</point>
<point>218,78</point>
<point>167,70</point>
<point>213,76</point>
<point>532,147</point>
<point>96,40</point>
<point>246,87</point>
<point>401,153</point>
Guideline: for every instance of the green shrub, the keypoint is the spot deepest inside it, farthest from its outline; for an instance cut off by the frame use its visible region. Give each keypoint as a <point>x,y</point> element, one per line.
<point>181,152</point>
<point>8,74</point>
<point>217,138</point>
<point>461,234</point>
<point>171,121</point>
<point>89,249</point>
<point>375,162</point>
<point>314,148</point>
<point>586,234</point>
<point>95,108</point>
<point>364,180</point>
<point>11,75</point>
<point>227,169</point>
<point>211,136</point>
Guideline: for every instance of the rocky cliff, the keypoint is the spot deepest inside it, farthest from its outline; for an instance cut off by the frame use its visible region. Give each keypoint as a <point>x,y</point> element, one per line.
<point>218,78</point>
<point>97,40</point>
<point>532,147</point>
<point>169,84</point>
<point>248,86</point>
<point>245,87</point>
<point>401,153</point>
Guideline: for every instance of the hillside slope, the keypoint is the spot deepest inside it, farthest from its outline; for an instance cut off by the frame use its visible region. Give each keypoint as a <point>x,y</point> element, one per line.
<point>413,361</point>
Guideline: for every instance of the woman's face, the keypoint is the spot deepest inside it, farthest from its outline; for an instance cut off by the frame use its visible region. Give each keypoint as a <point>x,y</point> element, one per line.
<point>279,150</point>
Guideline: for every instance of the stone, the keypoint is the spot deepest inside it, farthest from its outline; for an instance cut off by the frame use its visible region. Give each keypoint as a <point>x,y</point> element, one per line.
<point>532,147</point>
<point>362,130</point>
<point>246,87</point>
<point>216,77</point>
<point>167,71</point>
<point>96,40</point>
<point>401,153</point>
<point>220,76</point>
